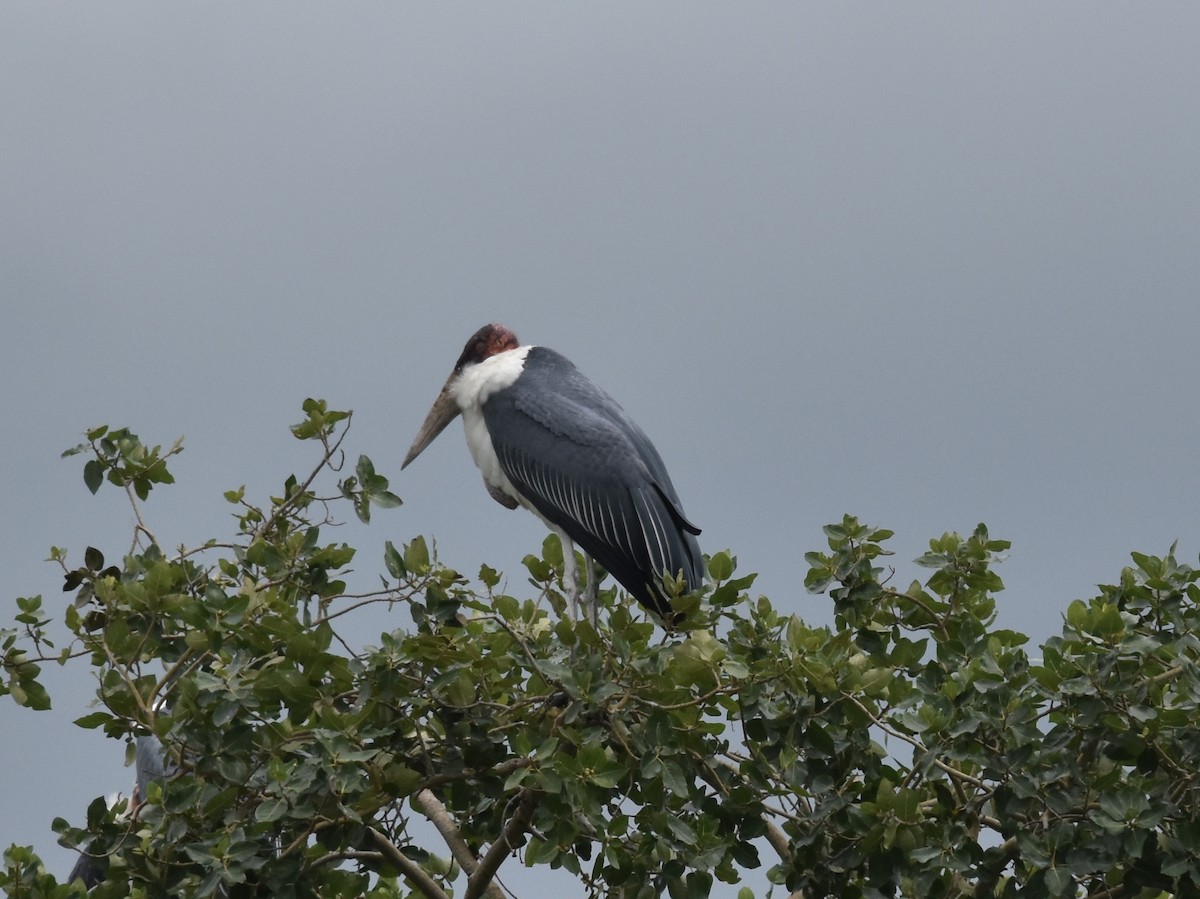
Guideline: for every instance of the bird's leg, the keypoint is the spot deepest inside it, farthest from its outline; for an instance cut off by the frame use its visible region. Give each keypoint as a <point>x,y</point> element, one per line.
<point>570,573</point>
<point>591,593</point>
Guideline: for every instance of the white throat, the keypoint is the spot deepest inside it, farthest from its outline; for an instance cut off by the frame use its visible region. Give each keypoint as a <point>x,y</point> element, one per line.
<point>472,389</point>
<point>480,381</point>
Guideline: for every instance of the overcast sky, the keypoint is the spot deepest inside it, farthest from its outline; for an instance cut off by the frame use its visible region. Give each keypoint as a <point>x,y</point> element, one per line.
<point>929,264</point>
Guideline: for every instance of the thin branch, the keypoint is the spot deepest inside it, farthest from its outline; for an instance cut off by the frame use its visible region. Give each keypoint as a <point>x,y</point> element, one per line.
<point>698,700</point>
<point>529,656</point>
<point>140,526</point>
<point>940,623</point>
<point>954,773</point>
<point>1169,674</point>
<point>171,673</point>
<point>25,658</point>
<point>501,769</point>
<point>147,712</point>
<point>290,501</point>
<point>1117,892</point>
<point>349,855</point>
<point>407,866</point>
<point>388,596</point>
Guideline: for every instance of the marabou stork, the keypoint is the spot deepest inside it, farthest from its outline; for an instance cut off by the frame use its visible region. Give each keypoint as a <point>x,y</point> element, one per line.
<point>151,766</point>
<point>548,439</point>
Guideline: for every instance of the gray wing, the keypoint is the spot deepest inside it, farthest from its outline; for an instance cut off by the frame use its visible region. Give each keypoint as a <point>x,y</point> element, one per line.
<point>150,763</point>
<point>88,869</point>
<point>575,455</point>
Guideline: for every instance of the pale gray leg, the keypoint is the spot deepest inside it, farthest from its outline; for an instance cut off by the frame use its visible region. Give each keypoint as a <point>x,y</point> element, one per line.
<point>591,594</point>
<point>570,573</point>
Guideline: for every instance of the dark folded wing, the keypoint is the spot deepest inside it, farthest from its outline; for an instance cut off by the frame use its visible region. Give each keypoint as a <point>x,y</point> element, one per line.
<point>578,459</point>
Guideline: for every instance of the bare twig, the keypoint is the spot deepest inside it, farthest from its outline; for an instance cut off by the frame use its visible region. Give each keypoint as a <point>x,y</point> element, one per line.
<point>140,526</point>
<point>300,489</point>
<point>366,599</point>
<point>1117,892</point>
<point>1169,674</point>
<point>529,656</point>
<point>184,660</point>
<point>130,682</point>
<point>502,769</point>
<point>956,775</point>
<point>349,855</point>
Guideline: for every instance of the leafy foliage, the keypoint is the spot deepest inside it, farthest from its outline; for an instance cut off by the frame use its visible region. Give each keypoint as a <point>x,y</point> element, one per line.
<point>913,749</point>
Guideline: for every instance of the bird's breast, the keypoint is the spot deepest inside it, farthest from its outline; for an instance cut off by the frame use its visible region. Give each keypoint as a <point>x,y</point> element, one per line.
<point>474,387</point>
<point>479,442</point>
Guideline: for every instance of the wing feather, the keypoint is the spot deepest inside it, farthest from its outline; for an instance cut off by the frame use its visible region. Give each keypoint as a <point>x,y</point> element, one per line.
<point>579,461</point>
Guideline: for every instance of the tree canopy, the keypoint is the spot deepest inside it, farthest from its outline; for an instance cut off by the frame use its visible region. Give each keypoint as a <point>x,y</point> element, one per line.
<point>912,749</point>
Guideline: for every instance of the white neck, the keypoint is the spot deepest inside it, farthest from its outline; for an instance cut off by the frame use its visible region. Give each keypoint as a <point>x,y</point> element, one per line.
<point>480,381</point>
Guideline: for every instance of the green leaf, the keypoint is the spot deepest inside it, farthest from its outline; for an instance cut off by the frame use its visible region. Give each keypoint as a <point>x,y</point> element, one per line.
<point>416,556</point>
<point>30,693</point>
<point>320,420</point>
<point>386,499</point>
<point>539,852</point>
<point>93,474</point>
<point>94,720</point>
<point>673,778</point>
<point>488,576</point>
<point>538,568</point>
<point>394,561</point>
<point>401,780</point>
<point>1059,882</point>
<point>507,607</point>
<point>720,566</point>
<point>271,810</point>
<point>365,469</point>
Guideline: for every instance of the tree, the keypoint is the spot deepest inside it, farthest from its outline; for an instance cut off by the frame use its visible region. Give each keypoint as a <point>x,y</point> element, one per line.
<point>912,749</point>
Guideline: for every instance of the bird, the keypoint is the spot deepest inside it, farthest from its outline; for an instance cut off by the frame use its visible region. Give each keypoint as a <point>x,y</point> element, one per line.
<point>549,440</point>
<point>151,766</point>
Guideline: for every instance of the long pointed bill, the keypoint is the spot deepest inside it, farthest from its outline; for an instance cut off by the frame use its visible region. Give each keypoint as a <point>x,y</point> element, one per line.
<point>444,411</point>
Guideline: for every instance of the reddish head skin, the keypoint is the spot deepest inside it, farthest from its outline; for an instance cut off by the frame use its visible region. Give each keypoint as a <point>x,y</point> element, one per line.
<point>486,342</point>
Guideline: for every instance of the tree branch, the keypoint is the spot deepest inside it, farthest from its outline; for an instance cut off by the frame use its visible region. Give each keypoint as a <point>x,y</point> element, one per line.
<point>432,808</point>
<point>407,866</point>
<point>480,883</point>
<point>779,842</point>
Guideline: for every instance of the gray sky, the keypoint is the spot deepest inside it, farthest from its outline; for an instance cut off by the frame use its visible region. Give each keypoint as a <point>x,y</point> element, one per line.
<point>930,264</point>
